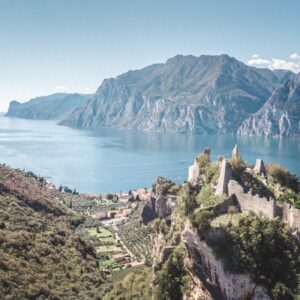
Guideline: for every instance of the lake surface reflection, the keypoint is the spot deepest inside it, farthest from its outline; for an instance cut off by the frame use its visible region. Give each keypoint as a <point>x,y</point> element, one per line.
<point>111,160</point>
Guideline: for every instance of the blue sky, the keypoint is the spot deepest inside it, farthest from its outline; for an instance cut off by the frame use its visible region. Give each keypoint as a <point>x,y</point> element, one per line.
<point>72,45</point>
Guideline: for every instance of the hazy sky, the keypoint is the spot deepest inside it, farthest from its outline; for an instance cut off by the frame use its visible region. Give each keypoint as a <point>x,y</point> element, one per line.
<point>48,46</point>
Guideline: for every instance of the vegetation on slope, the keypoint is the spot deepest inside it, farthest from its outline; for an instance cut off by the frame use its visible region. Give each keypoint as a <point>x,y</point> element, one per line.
<point>172,280</point>
<point>285,186</point>
<point>264,249</point>
<point>41,256</point>
<point>135,286</point>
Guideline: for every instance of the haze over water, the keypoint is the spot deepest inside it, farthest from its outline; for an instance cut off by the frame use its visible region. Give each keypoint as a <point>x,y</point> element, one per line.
<point>111,160</point>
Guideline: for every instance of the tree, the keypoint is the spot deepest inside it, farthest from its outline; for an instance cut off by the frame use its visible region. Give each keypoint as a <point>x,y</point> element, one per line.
<point>201,219</point>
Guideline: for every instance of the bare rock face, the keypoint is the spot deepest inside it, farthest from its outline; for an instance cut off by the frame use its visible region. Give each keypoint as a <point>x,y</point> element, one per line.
<point>186,94</point>
<point>225,176</point>
<point>279,116</point>
<point>259,168</point>
<point>160,204</point>
<point>221,284</point>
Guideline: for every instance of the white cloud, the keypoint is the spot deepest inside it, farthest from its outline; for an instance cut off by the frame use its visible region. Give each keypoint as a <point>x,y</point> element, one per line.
<point>275,63</point>
<point>286,65</point>
<point>257,61</point>
<point>295,56</point>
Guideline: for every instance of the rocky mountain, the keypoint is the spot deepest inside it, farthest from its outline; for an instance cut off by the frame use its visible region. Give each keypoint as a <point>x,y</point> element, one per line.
<point>185,94</point>
<point>56,106</point>
<point>280,115</point>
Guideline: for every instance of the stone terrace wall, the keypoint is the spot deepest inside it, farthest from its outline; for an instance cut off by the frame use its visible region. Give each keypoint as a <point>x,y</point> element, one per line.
<point>249,202</point>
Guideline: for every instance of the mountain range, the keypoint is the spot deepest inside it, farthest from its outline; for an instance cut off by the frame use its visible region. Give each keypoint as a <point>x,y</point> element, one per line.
<point>205,94</point>
<point>56,106</point>
<point>280,115</point>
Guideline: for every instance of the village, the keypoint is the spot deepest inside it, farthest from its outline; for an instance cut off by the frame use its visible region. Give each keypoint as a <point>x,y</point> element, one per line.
<point>113,223</point>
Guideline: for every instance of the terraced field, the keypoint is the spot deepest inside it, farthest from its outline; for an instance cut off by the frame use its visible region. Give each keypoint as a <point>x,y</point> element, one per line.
<point>137,239</point>
<point>105,240</point>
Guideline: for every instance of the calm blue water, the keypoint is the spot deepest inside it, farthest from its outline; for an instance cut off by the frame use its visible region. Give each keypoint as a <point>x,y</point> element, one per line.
<point>112,160</point>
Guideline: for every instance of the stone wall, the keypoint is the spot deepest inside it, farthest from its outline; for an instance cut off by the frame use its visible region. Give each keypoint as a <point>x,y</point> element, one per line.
<point>249,202</point>
<point>261,205</point>
<point>222,208</point>
<point>210,271</point>
<point>291,216</point>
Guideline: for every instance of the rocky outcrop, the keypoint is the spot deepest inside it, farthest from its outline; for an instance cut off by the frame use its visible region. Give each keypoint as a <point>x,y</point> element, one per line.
<point>56,106</point>
<point>186,94</point>
<point>210,271</point>
<point>196,290</point>
<point>160,203</point>
<point>280,115</point>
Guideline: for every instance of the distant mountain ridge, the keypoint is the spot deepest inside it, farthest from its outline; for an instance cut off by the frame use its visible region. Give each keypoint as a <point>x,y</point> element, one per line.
<point>56,106</point>
<point>185,94</point>
<point>280,115</point>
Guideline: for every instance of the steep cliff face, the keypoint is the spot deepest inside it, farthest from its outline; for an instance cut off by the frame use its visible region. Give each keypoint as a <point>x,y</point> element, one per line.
<point>210,271</point>
<point>56,106</point>
<point>186,94</point>
<point>280,115</point>
<point>217,239</point>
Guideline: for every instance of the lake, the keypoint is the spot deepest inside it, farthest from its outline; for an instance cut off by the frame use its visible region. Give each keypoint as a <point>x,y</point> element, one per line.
<point>112,160</point>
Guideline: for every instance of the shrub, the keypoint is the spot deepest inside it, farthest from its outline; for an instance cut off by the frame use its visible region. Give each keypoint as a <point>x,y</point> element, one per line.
<point>109,196</point>
<point>264,249</point>
<point>172,279</point>
<point>278,174</point>
<point>289,196</point>
<point>202,160</point>
<point>238,165</point>
<point>200,219</point>
<point>212,173</point>
<point>206,197</point>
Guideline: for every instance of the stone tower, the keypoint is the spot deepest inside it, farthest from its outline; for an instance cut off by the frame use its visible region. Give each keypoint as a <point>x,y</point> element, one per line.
<point>260,168</point>
<point>225,176</point>
<point>235,152</point>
